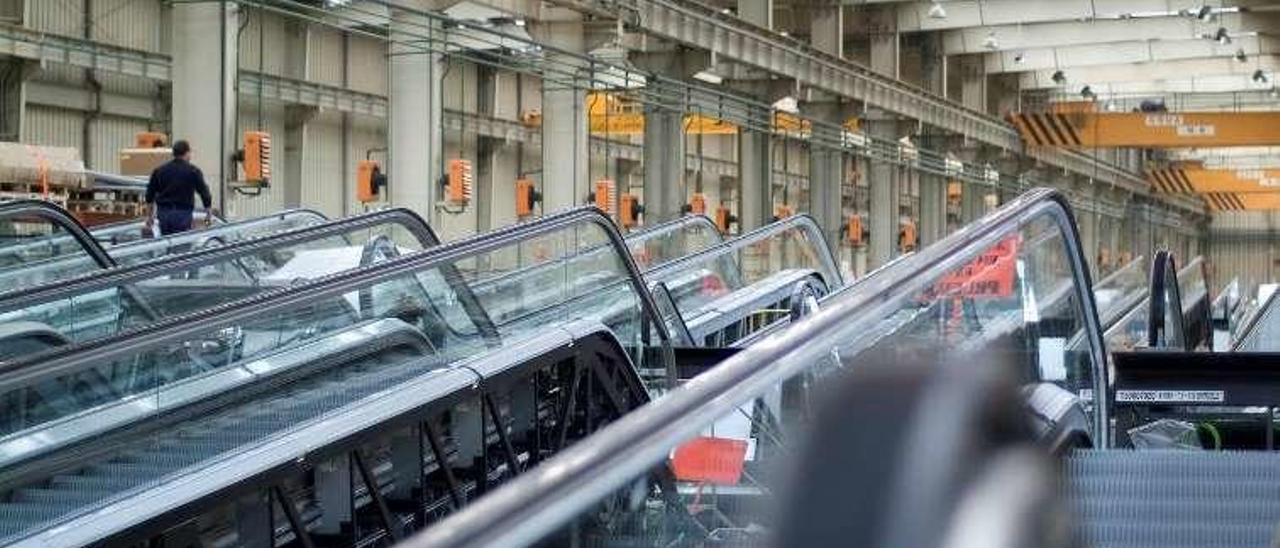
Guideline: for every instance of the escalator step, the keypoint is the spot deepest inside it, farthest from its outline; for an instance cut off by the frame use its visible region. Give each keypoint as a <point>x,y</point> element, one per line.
<point>1140,499</point>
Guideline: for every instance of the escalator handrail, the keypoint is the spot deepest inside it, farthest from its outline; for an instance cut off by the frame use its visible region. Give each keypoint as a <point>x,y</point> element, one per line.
<point>804,222</point>
<point>1250,326</point>
<point>1163,267</point>
<point>202,234</point>
<point>64,220</point>
<point>529,506</point>
<point>91,353</point>
<point>146,270</point>
<point>688,219</point>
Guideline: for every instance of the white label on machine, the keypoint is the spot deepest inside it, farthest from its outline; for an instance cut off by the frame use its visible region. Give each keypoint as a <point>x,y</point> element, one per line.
<point>1053,362</point>
<point>1170,396</point>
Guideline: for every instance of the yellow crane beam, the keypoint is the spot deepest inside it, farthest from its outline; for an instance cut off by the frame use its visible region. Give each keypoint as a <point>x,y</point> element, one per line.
<point>1254,201</point>
<point>1085,128</point>
<point>1194,178</point>
<point>610,114</point>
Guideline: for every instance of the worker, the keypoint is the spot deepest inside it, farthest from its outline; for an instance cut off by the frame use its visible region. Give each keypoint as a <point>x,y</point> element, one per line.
<point>171,192</point>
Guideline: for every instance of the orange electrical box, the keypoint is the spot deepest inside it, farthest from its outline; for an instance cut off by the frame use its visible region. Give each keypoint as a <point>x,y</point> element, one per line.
<point>457,187</point>
<point>908,239</point>
<point>724,218</point>
<point>526,196</point>
<point>602,196</point>
<point>257,157</point>
<point>954,192</point>
<point>856,234</point>
<point>369,180</point>
<point>629,210</point>
<point>150,139</point>
<point>698,204</point>
<point>783,211</point>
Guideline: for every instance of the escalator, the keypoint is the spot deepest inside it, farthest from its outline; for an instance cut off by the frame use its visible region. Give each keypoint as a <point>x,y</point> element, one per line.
<point>125,297</point>
<point>341,411</point>
<point>883,419</point>
<point>1261,331</point>
<point>42,243</point>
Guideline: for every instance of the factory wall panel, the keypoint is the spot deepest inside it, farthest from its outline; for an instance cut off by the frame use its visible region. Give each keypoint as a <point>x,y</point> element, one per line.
<point>132,24</point>
<point>367,66</point>
<point>11,11</point>
<point>107,135</point>
<point>52,126</point>
<point>270,30</point>
<point>65,17</point>
<point>1252,260</point>
<point>325,64</point>
<point>323,175</point>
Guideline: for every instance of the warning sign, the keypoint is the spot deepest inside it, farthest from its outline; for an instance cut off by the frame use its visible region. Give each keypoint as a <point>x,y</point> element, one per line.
<point>992,275</point>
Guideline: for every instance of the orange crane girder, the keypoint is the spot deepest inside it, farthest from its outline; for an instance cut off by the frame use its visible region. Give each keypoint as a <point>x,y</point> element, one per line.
<point>1253,201</point>
<point>1148,129</point>
<point>1186,179</point>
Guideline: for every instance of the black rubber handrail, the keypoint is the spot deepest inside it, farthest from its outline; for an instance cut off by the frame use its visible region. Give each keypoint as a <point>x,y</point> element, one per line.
<point>213,255</point>
<point>1164,278</point>
<point>81,356</point>
<point>532,505</point>
<point>801,221</point>
<point>64,220</point>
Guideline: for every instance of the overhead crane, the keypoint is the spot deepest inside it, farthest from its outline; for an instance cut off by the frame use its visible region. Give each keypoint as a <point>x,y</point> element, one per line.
<point>611,114</point>
<point>1081,125</point>
<point>1193,177</point>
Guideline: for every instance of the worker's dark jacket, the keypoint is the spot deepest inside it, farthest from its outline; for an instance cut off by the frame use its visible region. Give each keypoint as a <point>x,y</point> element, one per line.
<point>172,188</point>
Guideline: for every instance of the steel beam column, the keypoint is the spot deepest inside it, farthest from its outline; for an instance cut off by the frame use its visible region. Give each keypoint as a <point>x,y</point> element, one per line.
<point>826,176</point>
<point>415,151</point>
<point>755,179</point>
<point>564,124</point>
<point>664,167</point>
<point>204,75</point>
<point>885,196</point>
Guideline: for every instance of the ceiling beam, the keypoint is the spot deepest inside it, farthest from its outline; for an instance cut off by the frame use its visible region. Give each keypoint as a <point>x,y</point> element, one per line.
<point>1136,51</point>
<point>1017,37</point>
<point>914,16</point>
<point>1186,70</point>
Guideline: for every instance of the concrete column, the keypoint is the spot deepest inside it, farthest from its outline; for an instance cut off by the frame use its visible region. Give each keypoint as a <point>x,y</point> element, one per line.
<point>564,123</point>
<point>973,82</point>
<point>664,162</point>
<point>826,28</point>
<point>827,171</point>
<point>297,117</point>
<point>933,64</point>
<point>933,208</point>
<point>885,42</point>
<point>204,98</point>
<point>758,12</point>
<point>885,195</point>
<point>755,179</point>
<point>1087,226</point>
<point>416,101</point>
<point>295,150</point>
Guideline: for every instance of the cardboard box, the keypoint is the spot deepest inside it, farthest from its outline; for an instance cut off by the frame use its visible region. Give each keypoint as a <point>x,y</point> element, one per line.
<point>142,161</point>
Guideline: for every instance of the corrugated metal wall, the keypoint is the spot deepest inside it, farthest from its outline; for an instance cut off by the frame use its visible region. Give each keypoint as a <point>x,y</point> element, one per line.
<point>323,175</point>
<point>52,126</point>
<point>1245,245</point>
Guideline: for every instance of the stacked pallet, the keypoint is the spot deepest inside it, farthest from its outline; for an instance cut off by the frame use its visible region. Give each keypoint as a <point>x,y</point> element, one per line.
<point>57,174</point>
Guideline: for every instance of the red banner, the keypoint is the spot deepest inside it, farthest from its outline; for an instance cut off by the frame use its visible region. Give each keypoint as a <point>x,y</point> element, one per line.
<point>992,275</point>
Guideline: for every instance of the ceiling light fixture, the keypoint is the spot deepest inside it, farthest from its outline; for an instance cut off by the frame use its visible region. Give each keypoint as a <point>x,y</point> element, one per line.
<point>936,11</point>
<point>1205,13</point>
<point>991,42</point>
<point>1240,56</point>
<point>1019,57</point>
<point>1059,78</point>
<point>1221,36</point>
<point>1260,77</point>
<point>709,76</point>
<point>1087,93</point>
